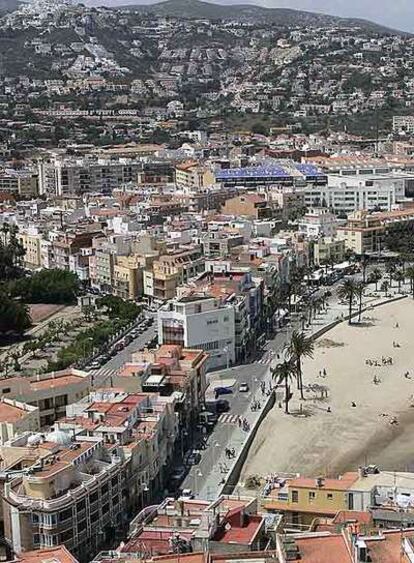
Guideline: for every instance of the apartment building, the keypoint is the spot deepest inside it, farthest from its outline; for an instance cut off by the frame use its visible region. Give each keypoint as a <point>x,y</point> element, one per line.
<point>171,371</point>
<point>171,270</point>
<point>202,322</point>
<point>21,183</point>
<point>31,242</point>
<point>346,194</point>
<point>226,525</point>
<point>328,250</point>
<point>302,499</point>
<point>127,277</point>
<point>364,233</point>
<point>50,392</point>
<point>60,176</point>
<point>17,417</point>
<point>144,425</point>
<point>62,490</point>
<point>219,244</point>
<point>254,206</point>
<point>191,175</point>
<point>318,222</point>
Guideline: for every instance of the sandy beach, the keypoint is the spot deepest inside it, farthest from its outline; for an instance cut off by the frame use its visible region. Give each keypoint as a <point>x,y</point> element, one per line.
<point>319,442</point>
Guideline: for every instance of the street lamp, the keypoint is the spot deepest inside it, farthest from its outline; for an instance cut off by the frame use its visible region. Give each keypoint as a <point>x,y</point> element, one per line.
<point>226,351</point>
<point>144,489</point>
<point>196,474</point>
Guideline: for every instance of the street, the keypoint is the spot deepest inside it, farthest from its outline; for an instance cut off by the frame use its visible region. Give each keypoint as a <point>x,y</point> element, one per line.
<point>112,366</point>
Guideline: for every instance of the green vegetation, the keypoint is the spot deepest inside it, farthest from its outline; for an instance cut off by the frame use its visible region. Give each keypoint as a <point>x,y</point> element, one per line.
<point>347,292</point>
<point>14,316</point>
<point>300,346</point>
<point>117,308</point>
<point>400,238</point>
<point>47,286</point>
<point>11,253</point>
<point>284,373</point>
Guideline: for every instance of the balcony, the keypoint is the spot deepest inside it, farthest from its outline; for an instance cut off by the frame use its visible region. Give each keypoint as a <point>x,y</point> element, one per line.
<point>88,484</point>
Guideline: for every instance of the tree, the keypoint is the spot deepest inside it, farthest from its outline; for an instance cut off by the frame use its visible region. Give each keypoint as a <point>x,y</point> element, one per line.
<point>284,373</point>
<point>14,316</point>
<point>118,308</point>
<point>347,292</point>
<point>300,346</point>
<point>375,277</point>
<point>399,277</point>
<point>385,286</point>
<point>47,286</point>
<point>410,275</point>
<point>359,291</point>
<point>391,268</point>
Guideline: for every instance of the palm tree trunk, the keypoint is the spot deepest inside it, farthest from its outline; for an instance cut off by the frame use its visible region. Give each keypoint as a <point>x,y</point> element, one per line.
<point>300,379</point>
<point>350,310</point>
<point>287,392</point>
<point>360,308</point>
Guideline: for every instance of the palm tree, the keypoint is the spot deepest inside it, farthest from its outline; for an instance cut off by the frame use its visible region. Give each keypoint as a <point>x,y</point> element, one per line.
<point>359,290</point>
<point>364,265</point>
<point>285,372</point>
<point>391,267</point>
<point>410,275</point>
<point>399,278</point>
<point>347,292</point>
<point>376,276</point>
<point>300,346</point>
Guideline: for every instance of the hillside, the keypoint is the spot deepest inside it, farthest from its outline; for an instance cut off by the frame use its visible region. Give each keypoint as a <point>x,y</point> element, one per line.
<point>196,9</point>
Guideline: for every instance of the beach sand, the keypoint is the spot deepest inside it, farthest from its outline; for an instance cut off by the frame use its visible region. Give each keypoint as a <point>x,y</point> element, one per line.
<point>330,443</point>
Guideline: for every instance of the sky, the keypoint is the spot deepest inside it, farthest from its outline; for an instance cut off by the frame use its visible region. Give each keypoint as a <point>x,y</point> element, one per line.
<point>398,14</point>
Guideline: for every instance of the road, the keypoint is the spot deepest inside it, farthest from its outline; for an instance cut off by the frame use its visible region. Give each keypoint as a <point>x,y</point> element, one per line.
<point>112,366</point>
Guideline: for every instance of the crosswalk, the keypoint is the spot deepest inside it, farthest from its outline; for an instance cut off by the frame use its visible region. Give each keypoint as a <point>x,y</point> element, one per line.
<point>102,375</point>
<point>229,418</point>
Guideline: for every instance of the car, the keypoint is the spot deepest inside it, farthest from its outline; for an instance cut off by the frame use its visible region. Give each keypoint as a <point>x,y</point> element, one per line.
<point>95,365</point>
<point>193,458</point>
<point>187,493</point>
<point>177,476</point>
<point>243,388</point>
<point>222,391</point>
<point>222,406</point>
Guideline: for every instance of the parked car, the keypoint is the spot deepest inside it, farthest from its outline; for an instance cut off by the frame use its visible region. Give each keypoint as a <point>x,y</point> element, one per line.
<point>244,388</point>
<point>95,365</point>
<point>187,493</point>
<point>193,458</point>
<point>222,391</point>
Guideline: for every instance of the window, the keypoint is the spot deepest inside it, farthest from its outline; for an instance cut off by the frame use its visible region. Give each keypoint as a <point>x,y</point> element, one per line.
<point>6,390</point>
<point>295,496</point>
<point>329,496</point>
<point>312,496</point>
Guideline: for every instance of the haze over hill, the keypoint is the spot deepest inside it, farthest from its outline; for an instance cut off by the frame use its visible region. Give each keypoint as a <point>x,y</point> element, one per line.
<point>398,14</point>
<point>246,12</point>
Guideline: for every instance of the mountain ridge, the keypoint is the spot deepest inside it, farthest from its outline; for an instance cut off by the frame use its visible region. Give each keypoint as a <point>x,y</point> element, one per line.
<point>198,9</point>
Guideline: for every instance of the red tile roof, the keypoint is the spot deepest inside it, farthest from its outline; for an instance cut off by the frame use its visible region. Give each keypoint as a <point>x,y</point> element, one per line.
<point>323,549</point>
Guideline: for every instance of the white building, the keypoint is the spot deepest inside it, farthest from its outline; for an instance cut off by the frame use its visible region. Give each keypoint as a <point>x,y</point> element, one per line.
<point>346,194</point>
<point>318,222</point>
<point>200,322</point>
